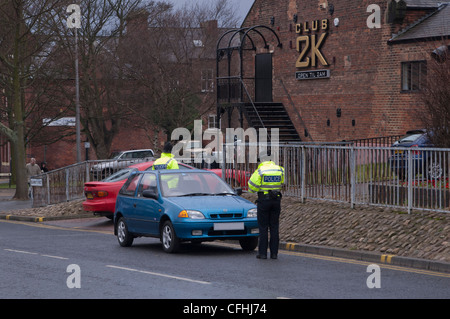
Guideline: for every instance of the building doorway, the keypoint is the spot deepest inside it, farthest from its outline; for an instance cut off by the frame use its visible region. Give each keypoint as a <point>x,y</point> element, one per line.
<point>263,77</point>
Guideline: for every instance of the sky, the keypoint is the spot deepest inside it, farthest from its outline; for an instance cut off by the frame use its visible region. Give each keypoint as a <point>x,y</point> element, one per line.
<point>243,5</point>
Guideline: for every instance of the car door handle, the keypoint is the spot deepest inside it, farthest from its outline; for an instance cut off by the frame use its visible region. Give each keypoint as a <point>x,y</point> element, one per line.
<point>134,205</point>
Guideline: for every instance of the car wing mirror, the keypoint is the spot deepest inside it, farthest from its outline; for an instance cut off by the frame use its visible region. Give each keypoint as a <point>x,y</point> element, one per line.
<point>150,193</point>
<point>238,191</point>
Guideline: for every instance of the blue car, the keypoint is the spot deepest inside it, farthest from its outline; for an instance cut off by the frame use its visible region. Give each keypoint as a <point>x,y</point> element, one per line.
<point>183,205</point>
<point>429,163</point>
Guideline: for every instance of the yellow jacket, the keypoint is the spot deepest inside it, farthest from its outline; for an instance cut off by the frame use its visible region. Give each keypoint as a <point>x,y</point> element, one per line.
<point>268,176</point>
<point>166,161</point>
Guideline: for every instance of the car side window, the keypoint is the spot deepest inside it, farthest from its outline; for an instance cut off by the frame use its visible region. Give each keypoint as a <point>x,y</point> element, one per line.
<point>148,181</point>
<point>127,156</point>
<point>129,188</point>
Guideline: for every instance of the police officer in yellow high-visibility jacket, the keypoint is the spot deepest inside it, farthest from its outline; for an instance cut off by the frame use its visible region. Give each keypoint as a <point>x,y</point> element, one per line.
<point>267,181</point>
<point>167,160</point>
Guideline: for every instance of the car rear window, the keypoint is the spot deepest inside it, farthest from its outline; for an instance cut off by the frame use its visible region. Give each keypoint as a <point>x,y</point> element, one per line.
<point>409,138</point>
<point>120,175</point>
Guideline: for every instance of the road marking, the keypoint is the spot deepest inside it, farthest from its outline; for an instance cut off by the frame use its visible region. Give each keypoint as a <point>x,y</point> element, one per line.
<point>32,253</point>
<point>288,252</point>
<point>366,263</point>
<point>21,251</point>
<point>56,257</point>
<point>160,275</point>
<point>107,232</point>
<point>386,258</point>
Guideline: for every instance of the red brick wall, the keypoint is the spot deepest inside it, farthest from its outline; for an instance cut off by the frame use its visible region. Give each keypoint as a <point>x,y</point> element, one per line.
<point>365,80</point>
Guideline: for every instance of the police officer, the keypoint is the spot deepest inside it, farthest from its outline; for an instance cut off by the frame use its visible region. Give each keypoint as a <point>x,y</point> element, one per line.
<point>267,181</point>
<point>167,160</point>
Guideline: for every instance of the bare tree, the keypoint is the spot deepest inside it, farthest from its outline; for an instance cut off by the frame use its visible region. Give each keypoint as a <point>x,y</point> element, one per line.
<point>436,97</point>
<point>167,63</point>
<point>23,56</point>
<point>103,88</point>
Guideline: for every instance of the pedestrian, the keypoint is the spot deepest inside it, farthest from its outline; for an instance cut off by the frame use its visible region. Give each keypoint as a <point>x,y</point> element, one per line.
<point>167,160</point>
<point>267,181</point>
<point>32,169</point>
<point>44,167</point>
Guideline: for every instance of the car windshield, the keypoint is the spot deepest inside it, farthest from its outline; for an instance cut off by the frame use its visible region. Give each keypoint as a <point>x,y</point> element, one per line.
<point>186,184</point>
<point>119,175</point>
<point>115,155</point>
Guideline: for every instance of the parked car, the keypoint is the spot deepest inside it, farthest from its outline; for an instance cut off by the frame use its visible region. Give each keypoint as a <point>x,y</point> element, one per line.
<point>236,177</point>
<point>119,161</point>
<point>183,205</point>
<point>425,162</point>
<point>101,195</point>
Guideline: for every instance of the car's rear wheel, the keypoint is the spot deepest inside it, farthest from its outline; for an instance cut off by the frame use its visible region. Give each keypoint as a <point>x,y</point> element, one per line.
<point>248,244</point>
<point>169,239</point>
<point>435,170</point>
<point>124,237</point>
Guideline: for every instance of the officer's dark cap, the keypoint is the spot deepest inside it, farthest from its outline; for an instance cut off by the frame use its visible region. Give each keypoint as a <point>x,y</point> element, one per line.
<point>167,147</point>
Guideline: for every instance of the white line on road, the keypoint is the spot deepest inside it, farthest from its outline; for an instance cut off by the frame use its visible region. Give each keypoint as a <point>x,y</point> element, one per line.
<point>56,257</point>
<point>160,275</point>
<point>31,253</point>
<point>21,251</point>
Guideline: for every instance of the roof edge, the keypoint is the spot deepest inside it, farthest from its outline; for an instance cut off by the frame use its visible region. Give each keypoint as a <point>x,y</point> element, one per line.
<point>416,23</point>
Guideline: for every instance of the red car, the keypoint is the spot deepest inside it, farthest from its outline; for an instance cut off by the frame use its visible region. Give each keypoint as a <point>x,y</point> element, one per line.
<point>101,196</point>
<point>238,178</point>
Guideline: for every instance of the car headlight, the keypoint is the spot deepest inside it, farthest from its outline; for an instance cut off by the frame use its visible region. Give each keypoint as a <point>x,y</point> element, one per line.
<point>252,213</point>
<point>193,214</point>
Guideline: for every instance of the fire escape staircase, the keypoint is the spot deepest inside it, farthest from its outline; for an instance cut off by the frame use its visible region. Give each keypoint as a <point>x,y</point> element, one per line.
<point>271,115</point>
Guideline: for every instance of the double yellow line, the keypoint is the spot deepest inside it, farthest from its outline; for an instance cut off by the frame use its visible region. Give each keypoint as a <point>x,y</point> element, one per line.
<point>57,227</point>
<point>384,263</point>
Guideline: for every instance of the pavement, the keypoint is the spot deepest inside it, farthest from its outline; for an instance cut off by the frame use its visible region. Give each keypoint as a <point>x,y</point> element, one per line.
<point>7,203</point>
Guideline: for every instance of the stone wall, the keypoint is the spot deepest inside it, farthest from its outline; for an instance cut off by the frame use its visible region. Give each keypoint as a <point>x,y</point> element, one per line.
<point>367,228</point>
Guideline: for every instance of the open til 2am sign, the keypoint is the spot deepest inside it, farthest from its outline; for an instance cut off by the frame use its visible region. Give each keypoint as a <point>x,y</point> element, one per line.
<point>310,75</point>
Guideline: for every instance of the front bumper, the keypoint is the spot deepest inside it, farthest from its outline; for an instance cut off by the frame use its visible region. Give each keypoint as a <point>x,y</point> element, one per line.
<point>211,230</point>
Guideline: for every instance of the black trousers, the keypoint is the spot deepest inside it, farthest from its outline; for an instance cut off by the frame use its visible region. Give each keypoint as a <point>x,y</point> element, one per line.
<point>268,219</point>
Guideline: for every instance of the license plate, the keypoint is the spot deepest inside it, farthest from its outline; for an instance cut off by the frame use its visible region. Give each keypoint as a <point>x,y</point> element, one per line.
<point>228,226</point>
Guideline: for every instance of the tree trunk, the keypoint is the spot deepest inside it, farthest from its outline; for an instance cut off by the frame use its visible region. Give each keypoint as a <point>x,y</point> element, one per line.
<point>19,141</point>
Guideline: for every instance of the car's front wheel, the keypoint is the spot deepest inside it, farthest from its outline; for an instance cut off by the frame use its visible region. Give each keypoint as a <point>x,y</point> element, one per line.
<point>123,236</point>
<point>249,243</point>
<point>169,239</point>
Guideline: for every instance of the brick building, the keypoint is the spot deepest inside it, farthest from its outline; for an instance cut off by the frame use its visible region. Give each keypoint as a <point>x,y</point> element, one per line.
<point>346,69</point>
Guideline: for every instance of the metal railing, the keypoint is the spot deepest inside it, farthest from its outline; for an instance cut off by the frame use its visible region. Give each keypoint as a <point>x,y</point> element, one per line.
<point>67,183</point>
<point>406,178</point>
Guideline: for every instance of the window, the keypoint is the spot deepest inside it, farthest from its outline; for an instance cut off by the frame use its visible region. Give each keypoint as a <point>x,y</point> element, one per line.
<point>142,154</point>
<point>207,80</point>
<point>148,181</point>
<point>130,186</point>
<point>413,75</point>
<point>212,121</point>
